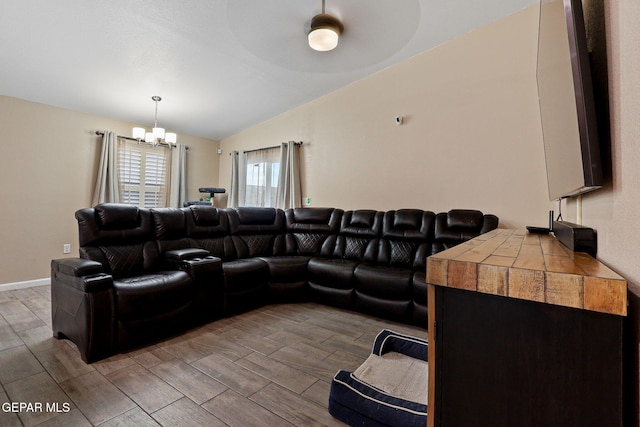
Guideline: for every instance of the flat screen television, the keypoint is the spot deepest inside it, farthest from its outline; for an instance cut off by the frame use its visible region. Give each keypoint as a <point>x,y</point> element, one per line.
<point>565,92</point>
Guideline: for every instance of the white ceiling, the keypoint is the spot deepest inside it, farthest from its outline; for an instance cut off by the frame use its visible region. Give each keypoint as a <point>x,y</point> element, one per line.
<point>220,66</point>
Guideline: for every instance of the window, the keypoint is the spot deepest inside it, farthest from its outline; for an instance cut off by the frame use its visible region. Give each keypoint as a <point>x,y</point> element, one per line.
<point>143,172</point>
<point>267,177</point>
<point>263,168</point>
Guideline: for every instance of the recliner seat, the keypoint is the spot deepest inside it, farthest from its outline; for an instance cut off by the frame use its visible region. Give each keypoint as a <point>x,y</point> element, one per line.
<point>128,287</point>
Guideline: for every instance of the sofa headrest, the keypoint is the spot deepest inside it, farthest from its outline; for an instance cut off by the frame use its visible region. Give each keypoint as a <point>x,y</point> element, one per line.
<point>113,224</point>
<point>362,218</point>
<point>255,220</point>
<point>310,215</point>
<point>113,216</point>
<point>320,220</point>
<point>206,221</point>
<point>464,219</point>
<point>408,224</point>
<point>362,223</point>
<point>407,219</point>
<point>169,223</point>
<point>459,225</point>
<point>256,216</point>
<point>206,216</point>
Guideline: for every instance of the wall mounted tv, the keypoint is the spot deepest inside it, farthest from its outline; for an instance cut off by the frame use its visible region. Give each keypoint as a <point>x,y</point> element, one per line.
<point>567,110</point>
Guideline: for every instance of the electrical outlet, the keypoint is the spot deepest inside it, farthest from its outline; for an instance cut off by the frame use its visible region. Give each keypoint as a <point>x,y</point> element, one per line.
<point>307,201</point>
<point>66,248</point>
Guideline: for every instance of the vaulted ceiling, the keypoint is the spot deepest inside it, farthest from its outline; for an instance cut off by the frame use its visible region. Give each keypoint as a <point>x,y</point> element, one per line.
<point>220,66</point>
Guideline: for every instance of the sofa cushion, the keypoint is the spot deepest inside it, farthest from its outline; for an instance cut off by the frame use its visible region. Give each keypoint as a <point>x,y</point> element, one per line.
<point>408,224</point>
<point>312,244</point>
<point>168,223</point>
<point>245,284</point>
<point>407,236</point>
<point>383,291</point>
<point>221,247</point>
<point>359,234</point>
<point>287,278</point>
<point>333,273</point>
<point>123,261</point>
<point>256,231</point>
<point>383,282</point>
<point>331,281</point>
<point>245,274</point>
<point>311,231</point>
<point>287,268</point>
<point>148,295</point>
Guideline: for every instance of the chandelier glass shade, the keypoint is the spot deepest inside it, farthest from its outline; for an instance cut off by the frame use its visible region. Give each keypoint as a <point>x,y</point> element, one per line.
<point>157,134</point>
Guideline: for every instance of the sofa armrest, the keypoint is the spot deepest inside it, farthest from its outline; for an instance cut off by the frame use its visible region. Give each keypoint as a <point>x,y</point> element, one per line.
<point>82,274</point>
<point>208,280</point>
<point>201,268</point>
<point>185,254</point>
<point>83,306</point>
<point>77,266</point>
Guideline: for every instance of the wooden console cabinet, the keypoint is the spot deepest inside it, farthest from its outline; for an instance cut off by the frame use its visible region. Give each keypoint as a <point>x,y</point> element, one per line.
<point>523,332</point>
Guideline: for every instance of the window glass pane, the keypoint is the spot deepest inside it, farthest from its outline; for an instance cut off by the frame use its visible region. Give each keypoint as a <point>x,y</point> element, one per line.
<point>275,172</point>
<point>261,180</point>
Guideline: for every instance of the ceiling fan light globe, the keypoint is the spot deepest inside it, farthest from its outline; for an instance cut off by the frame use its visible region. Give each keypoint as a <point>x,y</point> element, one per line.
<point>324,32</point>
<point>323,39</point>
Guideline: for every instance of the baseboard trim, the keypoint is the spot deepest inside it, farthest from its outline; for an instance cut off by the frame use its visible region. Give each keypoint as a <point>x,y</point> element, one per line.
<point>25,284</point>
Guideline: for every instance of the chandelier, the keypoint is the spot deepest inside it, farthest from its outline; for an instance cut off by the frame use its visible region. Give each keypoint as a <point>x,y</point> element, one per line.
<point>157,135</point>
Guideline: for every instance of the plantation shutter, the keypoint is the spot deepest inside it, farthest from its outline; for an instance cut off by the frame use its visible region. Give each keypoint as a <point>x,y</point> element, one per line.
<point>143,174</point>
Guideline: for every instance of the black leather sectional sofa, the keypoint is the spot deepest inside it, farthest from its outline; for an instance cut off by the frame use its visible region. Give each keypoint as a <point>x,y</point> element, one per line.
<point>143,274</point>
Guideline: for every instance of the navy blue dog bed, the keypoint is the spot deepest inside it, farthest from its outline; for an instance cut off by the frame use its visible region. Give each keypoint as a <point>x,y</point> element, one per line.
<point>388,389</point>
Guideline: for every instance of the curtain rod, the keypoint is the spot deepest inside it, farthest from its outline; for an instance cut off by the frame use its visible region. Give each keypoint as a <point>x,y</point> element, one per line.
<point>269,148</point>
<point>139,141</point>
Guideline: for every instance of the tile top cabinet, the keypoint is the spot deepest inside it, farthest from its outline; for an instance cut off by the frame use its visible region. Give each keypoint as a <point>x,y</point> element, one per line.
<point>523,332</point>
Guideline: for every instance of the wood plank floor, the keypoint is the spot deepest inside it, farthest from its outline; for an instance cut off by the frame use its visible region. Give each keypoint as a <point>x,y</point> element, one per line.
<point>268,367</point>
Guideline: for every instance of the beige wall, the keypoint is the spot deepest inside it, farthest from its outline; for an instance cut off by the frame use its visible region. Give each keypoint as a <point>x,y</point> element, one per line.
<point>471,136</point>
<point>613,210</point>
<point>48,162</point>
